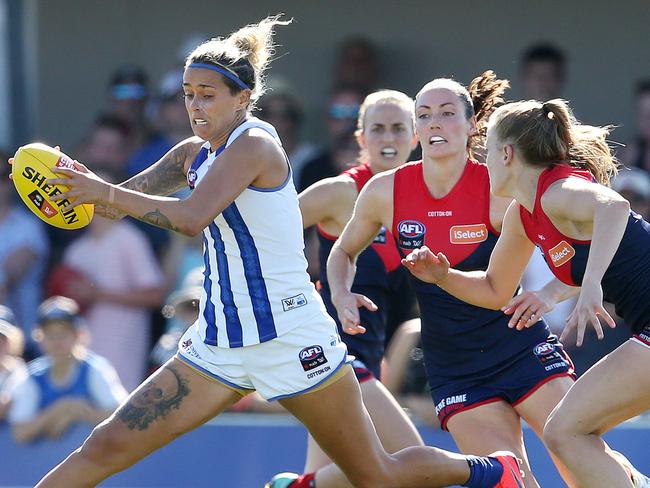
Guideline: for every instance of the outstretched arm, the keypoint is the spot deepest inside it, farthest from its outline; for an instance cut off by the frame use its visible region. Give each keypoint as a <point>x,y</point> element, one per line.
<point>328,199</point>
<point>358,234</point>
<point>488,289</point>
<point>606,212</point>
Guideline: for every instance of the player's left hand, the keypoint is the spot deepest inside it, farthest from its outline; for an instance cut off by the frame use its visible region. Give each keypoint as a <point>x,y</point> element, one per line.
<point>586,311</point>
<point>84,186</point>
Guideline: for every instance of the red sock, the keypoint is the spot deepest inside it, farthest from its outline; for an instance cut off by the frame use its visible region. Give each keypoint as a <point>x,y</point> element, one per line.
<point>305,481</point>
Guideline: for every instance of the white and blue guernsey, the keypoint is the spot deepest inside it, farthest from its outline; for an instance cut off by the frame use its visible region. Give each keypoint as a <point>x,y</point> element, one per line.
<point>256,285</point>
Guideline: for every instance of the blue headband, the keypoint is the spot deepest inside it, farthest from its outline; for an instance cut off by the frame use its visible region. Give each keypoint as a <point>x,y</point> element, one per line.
<point>224,71</point>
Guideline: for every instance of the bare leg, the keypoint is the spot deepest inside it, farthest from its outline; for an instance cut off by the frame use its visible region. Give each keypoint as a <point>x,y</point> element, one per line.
<point>339,422</point>
<point>536,409</point>
<point>613,390</point>
<point>395,430</point>
<point>174,400</point>
<point>488,428</point>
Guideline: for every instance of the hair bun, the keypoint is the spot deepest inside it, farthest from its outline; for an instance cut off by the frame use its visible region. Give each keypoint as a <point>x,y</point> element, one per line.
<point>548,112</point>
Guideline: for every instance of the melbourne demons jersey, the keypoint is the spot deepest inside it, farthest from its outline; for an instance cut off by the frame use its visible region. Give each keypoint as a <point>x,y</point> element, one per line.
<point>627,279</point>
<point>459,339</point>
<point>256,286</point>
<point>375,268</point>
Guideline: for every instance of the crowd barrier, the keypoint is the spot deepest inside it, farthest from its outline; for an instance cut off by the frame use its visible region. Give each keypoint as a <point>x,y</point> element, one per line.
<point>245,450</point>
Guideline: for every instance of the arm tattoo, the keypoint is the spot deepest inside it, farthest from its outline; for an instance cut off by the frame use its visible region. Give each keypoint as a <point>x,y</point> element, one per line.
<point>166,176</point>
<point>158,219</point>
<point>156,399</point>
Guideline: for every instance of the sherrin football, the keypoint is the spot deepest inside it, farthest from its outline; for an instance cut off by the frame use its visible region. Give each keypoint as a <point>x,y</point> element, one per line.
<point>31,169</point>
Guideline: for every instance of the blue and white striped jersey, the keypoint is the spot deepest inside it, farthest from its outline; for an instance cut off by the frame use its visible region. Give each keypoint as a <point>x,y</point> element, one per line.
<point>256,286</point>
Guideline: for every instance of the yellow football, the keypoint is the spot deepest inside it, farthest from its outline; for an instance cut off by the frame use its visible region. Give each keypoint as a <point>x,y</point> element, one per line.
<point>31,169</point>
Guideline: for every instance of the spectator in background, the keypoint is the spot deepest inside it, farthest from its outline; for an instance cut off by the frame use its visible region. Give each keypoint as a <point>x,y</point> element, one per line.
<point>12,366</point>
<point>284,112</point>
<point>122,283</point>
<point>65,386</point>
<point>357,64</point>
<point>170,119</point>
<point>128,93</point>
<point>342,112</point>
<point>543,72</point>
<point>105,147</point>
<point>173,126</point>
<point>634,186</point>
<point>183,306</point>
<point>637,154</point>
<point>181,257</point>
<point>23,254</point>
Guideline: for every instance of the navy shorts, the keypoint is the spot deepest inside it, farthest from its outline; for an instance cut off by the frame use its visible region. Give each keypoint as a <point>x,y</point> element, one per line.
<point>544,362</point>
<point>362,372</point>
<point>643,336</point>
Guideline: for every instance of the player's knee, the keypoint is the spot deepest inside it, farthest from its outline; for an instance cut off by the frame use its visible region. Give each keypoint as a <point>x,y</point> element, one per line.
<point>556,432</point>
<point>103,444</point>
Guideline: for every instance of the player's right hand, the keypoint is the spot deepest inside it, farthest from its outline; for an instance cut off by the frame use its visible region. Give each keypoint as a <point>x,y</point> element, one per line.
<point>427,266</point>
<point>347,308</point>
<point>527,309</point>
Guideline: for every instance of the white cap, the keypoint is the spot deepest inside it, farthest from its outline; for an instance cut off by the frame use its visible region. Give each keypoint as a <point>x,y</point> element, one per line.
<point>634,180</point>
<point>190,289</point>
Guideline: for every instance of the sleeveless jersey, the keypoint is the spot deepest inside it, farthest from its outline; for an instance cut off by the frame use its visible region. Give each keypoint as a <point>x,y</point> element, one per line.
<point>39,370</point>
<point>376,267</point>
<point>256,286</point>
<point>627,279</point>
<point>458,339</point>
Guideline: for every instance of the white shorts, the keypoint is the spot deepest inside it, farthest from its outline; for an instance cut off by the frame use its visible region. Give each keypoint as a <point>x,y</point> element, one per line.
<point>294,363</point>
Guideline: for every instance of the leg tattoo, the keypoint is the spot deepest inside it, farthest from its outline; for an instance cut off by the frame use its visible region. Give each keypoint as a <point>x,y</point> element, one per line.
<point>156,398</point>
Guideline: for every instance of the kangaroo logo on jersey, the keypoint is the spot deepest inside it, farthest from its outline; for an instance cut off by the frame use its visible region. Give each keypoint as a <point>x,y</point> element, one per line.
<point>312,357</point>
<point>191,178</point>
<point>561,253</point>
<point>468,234</point>
<point>411,234</point>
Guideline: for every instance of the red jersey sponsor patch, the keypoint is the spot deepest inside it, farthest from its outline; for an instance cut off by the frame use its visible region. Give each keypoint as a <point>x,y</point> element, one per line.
<point>561,253</point>
<point>468,234</point>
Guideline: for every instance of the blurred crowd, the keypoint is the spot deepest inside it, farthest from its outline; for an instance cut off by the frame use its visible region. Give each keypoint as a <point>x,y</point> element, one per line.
<point>86,315</point>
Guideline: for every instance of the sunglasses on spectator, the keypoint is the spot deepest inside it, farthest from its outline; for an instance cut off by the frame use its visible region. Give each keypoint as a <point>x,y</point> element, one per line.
<point>342,111</point>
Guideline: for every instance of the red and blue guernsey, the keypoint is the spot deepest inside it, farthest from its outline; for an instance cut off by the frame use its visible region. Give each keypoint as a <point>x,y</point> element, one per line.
<point>627,279</point>
<point>459,339</point>
<point>376,267</point>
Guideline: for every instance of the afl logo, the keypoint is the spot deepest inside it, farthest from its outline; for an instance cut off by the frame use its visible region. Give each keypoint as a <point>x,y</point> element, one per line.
<point>191,178</point>
<point>312,357</point>
<point>411,234</point>
<point>543,349</point>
